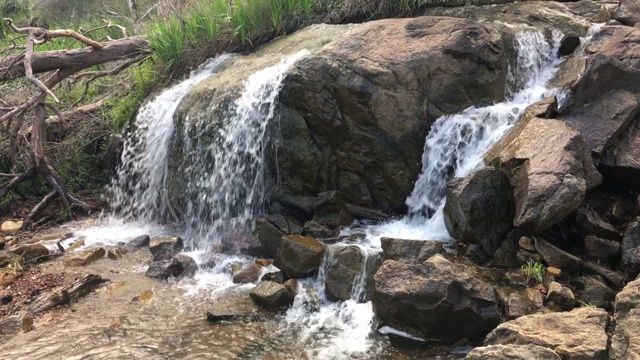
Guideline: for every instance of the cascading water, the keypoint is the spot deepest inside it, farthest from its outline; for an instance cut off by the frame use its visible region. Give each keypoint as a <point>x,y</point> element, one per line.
<point>223,185</point>
<point>454,147</point>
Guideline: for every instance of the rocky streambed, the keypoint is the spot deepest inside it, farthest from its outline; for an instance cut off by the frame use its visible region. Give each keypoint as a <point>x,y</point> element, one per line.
<point>462,184</point>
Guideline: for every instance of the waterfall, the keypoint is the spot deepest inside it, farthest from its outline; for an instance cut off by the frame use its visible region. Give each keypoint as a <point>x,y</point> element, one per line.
<point>223,185</point>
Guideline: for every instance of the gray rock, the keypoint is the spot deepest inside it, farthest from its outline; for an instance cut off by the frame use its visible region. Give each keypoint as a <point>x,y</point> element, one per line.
<point>631,249</point>
<point>507,254</point>
<point>479,209</point>
<point>313,229</point>
<point>438,299</point>
<point>524,256</point>
<point>346,267</point>
<point>277,277</point>
<point>164,248</point>
<point>614,279</point>
<point>138,243</point>
<point>628,12</point>
<point>178,267</point>
<point>250,274</point>
<point>592,224</point>
<point>598,248</point>
<point>271,295</point>
<point>527,243</point>
<point>331,210</point>
<point>594,292</point>
<point>269,234</point>
<point>561,296</point>
<point>299,256</point>
<point>415,251</point>
<point>577,334</point>
<point>557,258</point>
<point>512,352</point>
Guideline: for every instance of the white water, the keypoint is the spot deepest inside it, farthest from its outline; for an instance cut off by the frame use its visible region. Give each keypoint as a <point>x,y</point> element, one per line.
<point>228,177</point>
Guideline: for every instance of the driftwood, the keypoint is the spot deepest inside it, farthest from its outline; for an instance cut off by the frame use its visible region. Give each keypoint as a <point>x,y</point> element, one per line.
<point>82,287</point>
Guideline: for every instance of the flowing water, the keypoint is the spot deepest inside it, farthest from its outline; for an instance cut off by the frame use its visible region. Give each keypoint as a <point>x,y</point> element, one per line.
<point>224,188</point>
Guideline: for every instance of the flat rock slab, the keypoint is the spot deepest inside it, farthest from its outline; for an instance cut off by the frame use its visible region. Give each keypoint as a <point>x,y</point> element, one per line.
<point>85,258</point>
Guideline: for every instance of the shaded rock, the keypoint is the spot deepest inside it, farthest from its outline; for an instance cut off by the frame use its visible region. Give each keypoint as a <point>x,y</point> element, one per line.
<point>271,295</point>
<point>313,229</point>
<point>233,310</point>
<point>277,277</point>
<point>85,258</point>
<point>520,302</point>
<point>604,119</point>
<point>612,278</point>
<point>561,296</point>
<point>512,352</point>
<point>139,242</point>
<point>577,334</point>
<point>593,292</point>
<point>631,249</point>
<point>628,12</point>
<point>292,287</point>
<point>299,256</point>
<point>549,168</point>
<point>178,267</point>
<point>527,243</point>
<point>250,274</point>
<point>557,258</point>
<point>164,248</point>
<point>516,278</point>
<point>365,213</point>
<point>524,256</point>
<point>479,209</point>
<point>475,253</point>
<point>569,43</point>
<point>592,224</point>
<point>507,254</point>
<point>11,227</point>
<point>331,210</point>
<point>598,248</point>
<point>347,266</point>
<point>415,251</point>
<point>30,252</point>
<point>438,299</point>
<point>625,339</point>
<point>268,232</point>
<point>117,253</point>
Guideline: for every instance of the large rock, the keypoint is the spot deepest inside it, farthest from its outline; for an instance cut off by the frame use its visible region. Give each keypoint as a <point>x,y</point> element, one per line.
<point>479,208</point>
<point>331,210</point>
<point>272,295</point>
<point>603,249</point>
<point>631,249</point>
<point>164,248</point>
<point>625,340</point>
<point>437,299</point>
<point>348,273</point>
<point>10,227</point>
<point>574,335</point>
<point>561,296</point>
<point>179,266</point>
<point>593,224</point>
<point>250,274</point>
<point>628,12</point>
<point>268,233</point>
<point>85,258</point>
<point>555,257</point>
<point>415,251</point>
<point>299,256</point>
<point>30,252</point>
<point>614,279</point>
<point>550,169</point>
<point>512,352</point>
<point>593,292</point>
<point>602,120</point>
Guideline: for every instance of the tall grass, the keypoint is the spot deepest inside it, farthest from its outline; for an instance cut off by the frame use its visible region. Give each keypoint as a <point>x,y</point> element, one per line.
<point>212,26</point>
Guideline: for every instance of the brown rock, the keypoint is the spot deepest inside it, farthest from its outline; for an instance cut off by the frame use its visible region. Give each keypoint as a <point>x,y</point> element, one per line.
<point>561,296</point>
<point>415,251</point>
<point>512,352</point>
<point>164,248</point>
<point>299,256</point>
<point>598,248</point>
<point>557,258</point>
<point>628,12</point>
<point>117,253</point>
<point>625,339</point>
<point>31,252</point>
<point>11,227</point>
<point>577,334</point>
<point>85,258</point>
<point>549,167</point>
<point>612,278</point>
<point>250,274</point>
<point>555,272</point>
<point>527,243</point>
<point>592,224</point>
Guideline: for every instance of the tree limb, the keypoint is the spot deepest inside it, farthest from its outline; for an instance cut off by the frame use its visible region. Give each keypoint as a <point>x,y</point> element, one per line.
<point>45,35</point>
<point>28,72</point>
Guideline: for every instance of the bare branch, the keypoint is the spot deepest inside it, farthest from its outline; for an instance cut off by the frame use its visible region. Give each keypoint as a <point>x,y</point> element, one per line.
<point>28,72</point>
<point>45,34</point>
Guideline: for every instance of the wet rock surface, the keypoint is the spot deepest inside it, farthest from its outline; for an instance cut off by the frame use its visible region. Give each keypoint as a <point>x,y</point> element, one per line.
<point>415,251</point>
<point>272,295</point>
<point>348,272</point>
<point>164,248</point>
<point>179,266</point>
<point>299,256</point>
<point>85,258</point>
<point>438,299</point>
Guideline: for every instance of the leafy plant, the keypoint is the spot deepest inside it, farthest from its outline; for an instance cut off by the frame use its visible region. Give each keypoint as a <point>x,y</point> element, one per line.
<point>533,271</point>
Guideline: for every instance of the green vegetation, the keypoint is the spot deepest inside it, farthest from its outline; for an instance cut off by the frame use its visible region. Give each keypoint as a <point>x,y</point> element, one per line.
<point>533,271</point>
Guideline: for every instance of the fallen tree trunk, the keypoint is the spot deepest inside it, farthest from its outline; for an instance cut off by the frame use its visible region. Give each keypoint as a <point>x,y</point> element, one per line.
<point>69,294</point>
<point>12,67</point>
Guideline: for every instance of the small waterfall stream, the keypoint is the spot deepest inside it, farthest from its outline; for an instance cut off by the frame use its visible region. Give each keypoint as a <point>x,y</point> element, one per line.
<point>223,195</point>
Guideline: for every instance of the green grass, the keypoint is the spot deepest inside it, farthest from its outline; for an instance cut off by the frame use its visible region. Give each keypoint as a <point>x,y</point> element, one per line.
<point>533,271</point>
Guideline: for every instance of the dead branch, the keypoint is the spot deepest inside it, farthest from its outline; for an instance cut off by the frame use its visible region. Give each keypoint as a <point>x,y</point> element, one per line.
<point>28,72</point>
<point>45,34</point>
<point>67,295</point>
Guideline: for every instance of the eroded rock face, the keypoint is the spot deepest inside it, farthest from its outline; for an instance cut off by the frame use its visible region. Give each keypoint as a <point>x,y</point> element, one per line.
<point>631,249</point>
<point>437,299</point>
<point>625,341</point>
<point>577,334</point>
<point>550,169</point>
<point>479,208</point>
<point>512,352</point>
<point>415,251</point>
